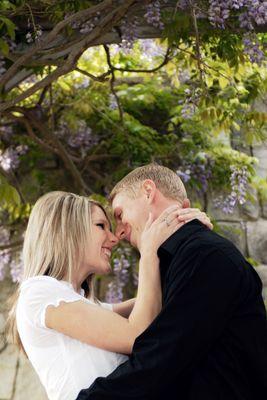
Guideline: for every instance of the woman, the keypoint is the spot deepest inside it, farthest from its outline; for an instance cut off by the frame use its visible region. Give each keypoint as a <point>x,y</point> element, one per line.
<point>70,337</point>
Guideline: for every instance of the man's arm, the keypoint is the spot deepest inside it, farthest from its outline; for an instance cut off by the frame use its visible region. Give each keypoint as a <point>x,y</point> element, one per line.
<point>195,313</point>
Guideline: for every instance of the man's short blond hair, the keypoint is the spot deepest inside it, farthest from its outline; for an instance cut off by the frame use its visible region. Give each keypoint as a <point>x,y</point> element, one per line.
<point>167,181</point>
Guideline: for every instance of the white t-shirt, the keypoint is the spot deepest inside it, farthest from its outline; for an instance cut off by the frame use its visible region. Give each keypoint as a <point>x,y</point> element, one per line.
<point>65,366</point>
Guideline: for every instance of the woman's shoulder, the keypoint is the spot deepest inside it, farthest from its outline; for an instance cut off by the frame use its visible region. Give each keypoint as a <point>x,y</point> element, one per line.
<point>39,281</point>
<point>45,286</point>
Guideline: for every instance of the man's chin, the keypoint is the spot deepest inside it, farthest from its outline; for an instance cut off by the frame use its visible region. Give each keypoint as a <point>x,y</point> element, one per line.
<point>133,242</point>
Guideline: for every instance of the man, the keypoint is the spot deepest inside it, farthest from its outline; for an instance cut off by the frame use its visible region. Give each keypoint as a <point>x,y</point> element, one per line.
<point>209,341</point>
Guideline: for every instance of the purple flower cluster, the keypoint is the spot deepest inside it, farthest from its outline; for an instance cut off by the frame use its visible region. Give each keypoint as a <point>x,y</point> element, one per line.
<point>34,34</point>
<point>121,266</point>
<point>16,268</point>
<point>4,254</point>
<point>81,139</point>
<point>252,48</point>
<point>245,21</point>
<point>87,26</point>
<point>153,15</point>
<point>188,110</point>
<point>257,10</point>
<point>150,49</point>
<point>82,83</point>
<point>9,158</point>
<point>219,12</point>
<point>6,132</point>
<point>239,184</point>
<point>128,34</point>
<point>183,4</point>
<point>190,105</point>
<point>253,11</point>
<point>200,170</point>
<point>2,66</point>
<point>184,76</point>
<point>112,102</point>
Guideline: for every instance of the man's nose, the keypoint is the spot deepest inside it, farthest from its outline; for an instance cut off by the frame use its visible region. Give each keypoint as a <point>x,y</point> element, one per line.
<point>121,231</point>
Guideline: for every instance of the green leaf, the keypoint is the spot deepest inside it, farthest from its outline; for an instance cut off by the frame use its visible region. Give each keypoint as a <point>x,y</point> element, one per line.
<point>8,194</point>
<point>10,26</point>
<point>4,47</point>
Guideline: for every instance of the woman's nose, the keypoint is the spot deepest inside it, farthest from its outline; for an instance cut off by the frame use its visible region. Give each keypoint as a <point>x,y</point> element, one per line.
<point>113,239</point>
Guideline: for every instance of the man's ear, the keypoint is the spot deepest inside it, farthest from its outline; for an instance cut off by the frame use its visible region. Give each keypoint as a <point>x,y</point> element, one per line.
<point>186,203</point>
<point>149,189</point>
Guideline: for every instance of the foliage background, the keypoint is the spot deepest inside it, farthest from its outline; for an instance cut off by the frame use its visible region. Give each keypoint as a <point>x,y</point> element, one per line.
<point>193,99</point>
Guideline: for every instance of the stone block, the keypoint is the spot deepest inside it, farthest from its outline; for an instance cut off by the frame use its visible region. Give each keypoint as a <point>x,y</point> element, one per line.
<point>8,366</point>
<point>260,152</point>
<point>28,382</point>
<point>196,200</point>
<point>262,272</point>
<point>264,209</point>
<point>235,232</point>
<point>7,287</point>
<point>257,240</point>
<point>251,209</point>
<point>2,323</point>
<point>217,214</point>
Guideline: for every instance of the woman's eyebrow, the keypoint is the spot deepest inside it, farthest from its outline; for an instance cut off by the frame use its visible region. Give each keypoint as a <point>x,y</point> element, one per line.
<point>100,220</point>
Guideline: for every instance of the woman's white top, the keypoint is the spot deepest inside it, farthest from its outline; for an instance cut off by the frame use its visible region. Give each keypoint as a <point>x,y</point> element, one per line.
<point>65,366</point>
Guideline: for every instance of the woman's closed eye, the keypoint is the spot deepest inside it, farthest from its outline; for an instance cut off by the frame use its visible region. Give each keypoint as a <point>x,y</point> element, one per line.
<point>102,226</point>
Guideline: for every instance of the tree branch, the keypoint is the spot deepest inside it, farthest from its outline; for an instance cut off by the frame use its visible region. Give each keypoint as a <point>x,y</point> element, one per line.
<point>164,62</point>
<point>58,149</point>
<point>46,40</point>
<point>107,22</point>
<point>100,78</point>
<point>11,245</point>
<point>112,80</point>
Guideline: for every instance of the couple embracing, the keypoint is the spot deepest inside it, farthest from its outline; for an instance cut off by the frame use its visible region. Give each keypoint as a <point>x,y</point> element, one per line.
<point>197,328</point>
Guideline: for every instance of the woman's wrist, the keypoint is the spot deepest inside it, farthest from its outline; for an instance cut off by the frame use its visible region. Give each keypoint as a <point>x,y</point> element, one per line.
<point>149,258</point>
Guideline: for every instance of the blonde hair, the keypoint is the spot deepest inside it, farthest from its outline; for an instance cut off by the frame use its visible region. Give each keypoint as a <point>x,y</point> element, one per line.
<point>167,181</point>
<point>55,241</point>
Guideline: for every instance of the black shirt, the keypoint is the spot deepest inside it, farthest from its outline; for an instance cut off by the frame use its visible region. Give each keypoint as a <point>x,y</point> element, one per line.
<point>209,342</point>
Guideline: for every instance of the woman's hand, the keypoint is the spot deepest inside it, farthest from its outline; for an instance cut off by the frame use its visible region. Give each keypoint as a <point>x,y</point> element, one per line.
<point>188,214</point>
<point>156,232</point>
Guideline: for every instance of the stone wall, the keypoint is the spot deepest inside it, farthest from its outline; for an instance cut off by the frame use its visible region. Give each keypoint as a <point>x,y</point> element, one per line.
<point>247,228</point>
<point>18,381</point>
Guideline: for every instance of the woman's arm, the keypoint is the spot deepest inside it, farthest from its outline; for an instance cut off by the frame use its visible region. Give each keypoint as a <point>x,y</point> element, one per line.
<point>124,308</point>
<point>97,326</point>
<point>109,330</point>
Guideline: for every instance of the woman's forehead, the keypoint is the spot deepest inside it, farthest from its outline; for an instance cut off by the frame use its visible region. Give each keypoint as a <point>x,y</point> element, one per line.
<point>98,212</point>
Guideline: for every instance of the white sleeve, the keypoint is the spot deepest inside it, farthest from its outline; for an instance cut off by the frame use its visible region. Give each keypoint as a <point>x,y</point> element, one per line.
<point>43,293</point>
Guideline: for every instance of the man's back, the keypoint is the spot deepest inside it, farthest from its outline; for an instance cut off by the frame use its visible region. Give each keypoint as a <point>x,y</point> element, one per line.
<point>234,363</point>
<point>210,339</point>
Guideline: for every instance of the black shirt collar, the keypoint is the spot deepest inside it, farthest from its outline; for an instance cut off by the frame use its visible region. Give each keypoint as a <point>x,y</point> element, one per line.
<point>169,247</point>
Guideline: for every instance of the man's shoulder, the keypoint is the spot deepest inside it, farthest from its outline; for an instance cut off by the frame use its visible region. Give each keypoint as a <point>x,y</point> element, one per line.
<point>205,242</point>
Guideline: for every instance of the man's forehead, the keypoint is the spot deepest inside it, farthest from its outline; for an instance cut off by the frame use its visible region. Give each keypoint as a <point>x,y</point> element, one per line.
<point>117,203</point>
